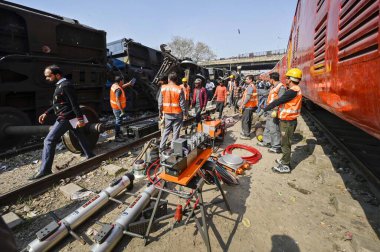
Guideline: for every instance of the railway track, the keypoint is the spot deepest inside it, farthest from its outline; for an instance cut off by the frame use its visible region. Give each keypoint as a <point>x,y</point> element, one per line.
<point>45,183</point>
<point>39,145</point>
<point>361,148</point>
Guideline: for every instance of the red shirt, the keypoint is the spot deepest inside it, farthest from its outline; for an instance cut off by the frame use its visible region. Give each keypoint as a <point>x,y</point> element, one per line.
<point>221,93</point>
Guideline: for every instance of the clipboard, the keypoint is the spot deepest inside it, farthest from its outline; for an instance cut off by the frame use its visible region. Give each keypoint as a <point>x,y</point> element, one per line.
<point>74,121</point>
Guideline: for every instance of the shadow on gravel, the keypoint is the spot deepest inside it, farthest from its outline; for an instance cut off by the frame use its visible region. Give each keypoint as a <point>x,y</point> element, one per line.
<point>302,152</point>
<point>236,197</point>
<point>282,243</point>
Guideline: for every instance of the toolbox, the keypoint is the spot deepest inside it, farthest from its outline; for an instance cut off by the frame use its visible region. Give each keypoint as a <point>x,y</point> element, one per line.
<point>140,129</point>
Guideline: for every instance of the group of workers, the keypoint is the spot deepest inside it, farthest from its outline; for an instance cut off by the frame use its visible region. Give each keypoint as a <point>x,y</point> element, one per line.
<point>281,104</point>
<point>281,108</point>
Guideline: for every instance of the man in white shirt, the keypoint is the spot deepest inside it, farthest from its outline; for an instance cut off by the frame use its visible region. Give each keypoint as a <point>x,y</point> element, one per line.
<point>210,89</point>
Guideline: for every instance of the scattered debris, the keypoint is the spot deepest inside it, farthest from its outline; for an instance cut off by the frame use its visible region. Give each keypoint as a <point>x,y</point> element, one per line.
<point>81,195</point>
<point>31,214</point>
<point>35,161</point>
<point>301,190</point>
<point>328,214</point>
<point>69,189</point>
<point>246,222</point>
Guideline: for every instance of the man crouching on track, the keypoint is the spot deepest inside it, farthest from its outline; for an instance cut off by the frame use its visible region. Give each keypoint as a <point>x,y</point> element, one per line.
<point>288,111</point>
<point>66,108</point>
<point>171,105</point>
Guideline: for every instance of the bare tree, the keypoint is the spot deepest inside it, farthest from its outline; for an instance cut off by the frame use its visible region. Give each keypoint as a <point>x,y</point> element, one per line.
<point>181,47</point>
<point>184,47</point>
<point>202,52</point>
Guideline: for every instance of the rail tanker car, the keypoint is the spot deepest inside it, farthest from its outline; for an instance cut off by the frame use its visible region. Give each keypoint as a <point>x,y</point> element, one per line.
<point>336,45</point>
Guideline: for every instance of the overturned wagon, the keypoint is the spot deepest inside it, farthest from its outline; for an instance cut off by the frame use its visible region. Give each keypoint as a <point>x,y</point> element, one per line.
<point>29,41</point>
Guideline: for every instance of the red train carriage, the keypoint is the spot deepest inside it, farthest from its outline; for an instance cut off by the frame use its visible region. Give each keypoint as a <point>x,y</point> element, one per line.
<point>336,44</point>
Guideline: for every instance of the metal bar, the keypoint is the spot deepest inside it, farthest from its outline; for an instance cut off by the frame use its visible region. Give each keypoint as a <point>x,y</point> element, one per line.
<point>153,214</point>
<point>204,224</point>
<point>221,191</point>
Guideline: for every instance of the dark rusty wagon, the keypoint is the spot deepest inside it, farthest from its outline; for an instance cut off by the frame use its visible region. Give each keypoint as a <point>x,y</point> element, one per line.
<point>30,40</point>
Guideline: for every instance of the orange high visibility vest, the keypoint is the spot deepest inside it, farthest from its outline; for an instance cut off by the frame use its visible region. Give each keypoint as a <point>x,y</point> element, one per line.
<point>170,97</point>
<point>122,98</point>
<point>186,91</point>
<point>273,93</point>
<point>252,100</point>
<point>292,109</point>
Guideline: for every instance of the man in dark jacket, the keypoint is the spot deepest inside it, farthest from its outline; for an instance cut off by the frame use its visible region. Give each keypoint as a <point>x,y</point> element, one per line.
<point>67,110</point>
<point>199,97</point>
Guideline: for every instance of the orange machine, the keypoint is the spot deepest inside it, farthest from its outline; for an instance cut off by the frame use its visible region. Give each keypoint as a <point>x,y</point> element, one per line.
<point>185,177</point>
<point>213,128</point>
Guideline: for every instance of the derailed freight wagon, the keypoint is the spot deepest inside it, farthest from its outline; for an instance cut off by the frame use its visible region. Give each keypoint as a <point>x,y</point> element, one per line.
<point>134,60</point>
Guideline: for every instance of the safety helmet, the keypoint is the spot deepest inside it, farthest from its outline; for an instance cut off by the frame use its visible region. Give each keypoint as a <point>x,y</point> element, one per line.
<point>294,74</point>
<point>184,79</point>
<point>232,76</point>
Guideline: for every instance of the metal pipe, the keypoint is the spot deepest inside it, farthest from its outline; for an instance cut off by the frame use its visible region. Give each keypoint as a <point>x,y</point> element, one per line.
<point>81,214</point>
<point>44,129</point>
<point>126,217</point>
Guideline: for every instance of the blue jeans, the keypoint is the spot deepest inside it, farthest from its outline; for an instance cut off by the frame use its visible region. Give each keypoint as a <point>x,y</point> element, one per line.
<point>58,129</point>
<point>262,102</point>
<point>118,121</point>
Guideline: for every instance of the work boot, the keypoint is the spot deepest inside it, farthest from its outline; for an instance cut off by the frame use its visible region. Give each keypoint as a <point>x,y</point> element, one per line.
<point>39,174</point>
<point>245,137</point>
<point>262,144</point>
<point>281,168</point>
<point>274,150</point>
<point>279,161</point>
<point>119,137</point>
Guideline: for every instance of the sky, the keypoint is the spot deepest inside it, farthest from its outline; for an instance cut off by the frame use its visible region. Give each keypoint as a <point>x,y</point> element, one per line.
<point>263,24</point>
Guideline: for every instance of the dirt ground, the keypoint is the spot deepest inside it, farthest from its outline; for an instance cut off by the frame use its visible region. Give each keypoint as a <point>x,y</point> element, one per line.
<point>323,205</point>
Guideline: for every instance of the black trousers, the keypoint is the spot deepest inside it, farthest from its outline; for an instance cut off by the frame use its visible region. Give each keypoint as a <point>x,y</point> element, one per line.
<point>246,121</point>
<point>219,108</point>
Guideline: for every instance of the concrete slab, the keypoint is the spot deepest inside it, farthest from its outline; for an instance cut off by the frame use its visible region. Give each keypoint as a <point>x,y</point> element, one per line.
<point>70,189</point>
<point>364,244</point>
<point>344,204</point>
<point>12,219</point>
<point>112,169</point>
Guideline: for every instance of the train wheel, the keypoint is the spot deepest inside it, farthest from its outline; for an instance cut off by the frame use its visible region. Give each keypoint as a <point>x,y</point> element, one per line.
<point>12,117</point>
<point>71,141</point>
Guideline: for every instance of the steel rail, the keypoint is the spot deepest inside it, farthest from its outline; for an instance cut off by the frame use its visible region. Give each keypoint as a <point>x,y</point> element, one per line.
<point>45,183</point>
<point>359,166</point>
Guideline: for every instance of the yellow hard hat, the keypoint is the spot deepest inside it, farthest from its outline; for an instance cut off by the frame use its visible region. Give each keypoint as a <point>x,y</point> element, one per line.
<point>295,74</point>
<point>184,79</point>
<point>232,76</point>
<point>260,138</point>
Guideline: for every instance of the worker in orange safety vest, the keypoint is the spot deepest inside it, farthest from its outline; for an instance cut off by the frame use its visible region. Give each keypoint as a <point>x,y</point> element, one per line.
<point>247,107</point>
<point>118,101</point>
<point>272,136</point>
<point>171,106</point>
<point>289,109</point>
